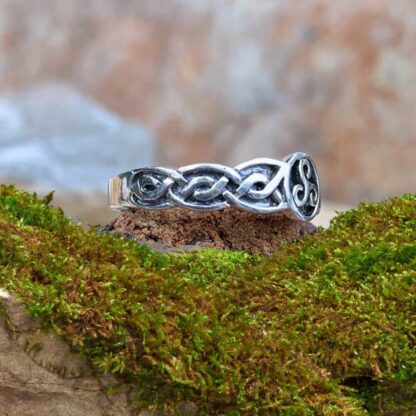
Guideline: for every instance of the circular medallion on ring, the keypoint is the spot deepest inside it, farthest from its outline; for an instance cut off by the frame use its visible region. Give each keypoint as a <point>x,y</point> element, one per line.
<point>302,186</point>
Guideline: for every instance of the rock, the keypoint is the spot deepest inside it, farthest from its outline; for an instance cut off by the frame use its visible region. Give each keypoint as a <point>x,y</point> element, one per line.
<point>52,137</point>
<point>231,229</point>
<point>187,409</point>
<point>40,376</point>
<point>226,81</point>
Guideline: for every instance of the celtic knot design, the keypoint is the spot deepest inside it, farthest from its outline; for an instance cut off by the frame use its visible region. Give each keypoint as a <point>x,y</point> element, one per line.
<point>260,185</point>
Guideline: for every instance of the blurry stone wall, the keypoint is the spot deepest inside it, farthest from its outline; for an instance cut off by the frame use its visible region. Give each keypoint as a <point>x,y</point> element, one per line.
<point>229,80</point>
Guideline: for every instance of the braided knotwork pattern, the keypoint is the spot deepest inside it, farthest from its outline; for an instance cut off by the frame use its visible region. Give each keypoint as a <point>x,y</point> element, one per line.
<point>255,186</point>
<point>260,185</point>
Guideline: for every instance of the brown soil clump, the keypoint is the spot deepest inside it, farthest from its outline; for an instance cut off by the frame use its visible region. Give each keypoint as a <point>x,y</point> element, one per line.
<point>229,229</point>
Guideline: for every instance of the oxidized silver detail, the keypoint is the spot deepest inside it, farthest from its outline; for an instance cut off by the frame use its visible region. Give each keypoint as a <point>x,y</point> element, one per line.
<point>260,185</point>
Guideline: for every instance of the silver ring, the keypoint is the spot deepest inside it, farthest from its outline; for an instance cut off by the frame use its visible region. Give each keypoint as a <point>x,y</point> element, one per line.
<point>260,185</point>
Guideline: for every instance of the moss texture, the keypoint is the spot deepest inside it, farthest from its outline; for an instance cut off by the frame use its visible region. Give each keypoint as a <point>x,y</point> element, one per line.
<point>319,328</point>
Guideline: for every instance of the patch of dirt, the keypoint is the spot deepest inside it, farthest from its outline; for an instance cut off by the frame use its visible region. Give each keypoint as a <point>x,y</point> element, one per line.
<point>229,229</point>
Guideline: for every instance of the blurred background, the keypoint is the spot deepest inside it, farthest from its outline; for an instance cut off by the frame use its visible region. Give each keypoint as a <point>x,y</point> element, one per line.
<point>92,88</point>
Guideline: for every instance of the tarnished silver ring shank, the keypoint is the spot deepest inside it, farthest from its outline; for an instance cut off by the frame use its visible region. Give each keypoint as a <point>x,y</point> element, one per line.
<point>213,187</point>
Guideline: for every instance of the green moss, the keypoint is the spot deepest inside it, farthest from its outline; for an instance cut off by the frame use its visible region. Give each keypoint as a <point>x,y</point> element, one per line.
<point>295,333</point>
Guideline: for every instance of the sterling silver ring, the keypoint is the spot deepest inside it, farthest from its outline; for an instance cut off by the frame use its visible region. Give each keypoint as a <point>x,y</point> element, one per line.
<point>260,185</point>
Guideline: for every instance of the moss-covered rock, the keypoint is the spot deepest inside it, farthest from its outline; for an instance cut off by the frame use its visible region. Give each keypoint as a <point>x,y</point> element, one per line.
<point>319,328</point>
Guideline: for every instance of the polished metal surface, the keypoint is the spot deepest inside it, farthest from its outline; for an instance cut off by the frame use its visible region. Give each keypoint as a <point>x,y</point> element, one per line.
<point>260,185</point>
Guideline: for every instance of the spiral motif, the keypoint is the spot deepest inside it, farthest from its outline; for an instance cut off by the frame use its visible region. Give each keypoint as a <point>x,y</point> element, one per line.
<point>303,186</point>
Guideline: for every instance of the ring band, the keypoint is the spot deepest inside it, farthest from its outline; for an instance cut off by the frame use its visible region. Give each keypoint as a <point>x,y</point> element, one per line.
<point>260,185</point>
